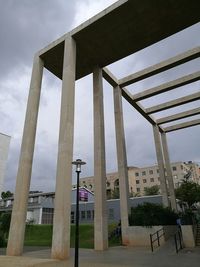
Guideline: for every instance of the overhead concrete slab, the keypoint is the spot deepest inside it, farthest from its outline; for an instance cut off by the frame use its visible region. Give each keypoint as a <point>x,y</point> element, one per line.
<point>120,30</point>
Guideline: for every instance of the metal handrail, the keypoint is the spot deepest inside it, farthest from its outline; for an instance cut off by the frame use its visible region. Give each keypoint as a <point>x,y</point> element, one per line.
<point>178,239</point>
<point>158,236</point>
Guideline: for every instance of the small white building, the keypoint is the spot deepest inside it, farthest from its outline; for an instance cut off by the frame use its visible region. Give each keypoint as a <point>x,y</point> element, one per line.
<point>4,148</point>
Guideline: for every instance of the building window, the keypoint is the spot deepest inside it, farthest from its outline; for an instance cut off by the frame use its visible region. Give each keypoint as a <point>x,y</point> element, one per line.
<point>150,171</point>
<point>144,181</point>
<point>157,170</point>
<point>72,216</point>
<point>47,216</point>
<point>137,174</point>
<point>111,214</point>
<point>143,173</point>
<point>138,189</point>
<point>152,180</point>
<point>89,215</point>
<point>159,179</point>
<point>116,183</point>
<point>174,168</point>
<point>82,214</point>
<point>35,199</point>
<point>108,184</point>
<point>30,200</point>
<point>137,181</point>
<point>181,167</point>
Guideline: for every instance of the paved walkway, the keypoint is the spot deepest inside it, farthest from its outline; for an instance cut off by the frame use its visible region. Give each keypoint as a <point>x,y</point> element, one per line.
<point>127,257</point>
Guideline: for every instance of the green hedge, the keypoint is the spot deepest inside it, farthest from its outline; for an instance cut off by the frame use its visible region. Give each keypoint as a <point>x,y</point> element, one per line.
<point>152,214</point>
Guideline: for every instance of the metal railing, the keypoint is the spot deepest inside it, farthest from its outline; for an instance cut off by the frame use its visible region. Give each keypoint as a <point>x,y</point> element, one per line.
<point>155,237</point>
<point>178,240</point>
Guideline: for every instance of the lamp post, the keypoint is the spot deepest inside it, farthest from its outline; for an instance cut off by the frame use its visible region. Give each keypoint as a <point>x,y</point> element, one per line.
<point>78,164</point>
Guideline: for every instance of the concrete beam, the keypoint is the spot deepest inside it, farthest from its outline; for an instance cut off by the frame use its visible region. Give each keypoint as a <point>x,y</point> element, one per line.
<point>109,77</point>
<point>160,160</point>
<point>168,86</point>
<point>19,211</point>
<point>179,116</point>
<point>128,96</point>
<point>100,208</point>
<point>122,163</point>
<point>174,103</point>
<point>62,203</point>
<point>181,126</point>
<point>162,66</point>
<point>169,172</point>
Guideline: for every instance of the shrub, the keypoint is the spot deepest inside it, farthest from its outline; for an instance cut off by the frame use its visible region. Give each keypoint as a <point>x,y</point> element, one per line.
<point>2,240</point>
<point>5,219</point>
<point>150,214</point>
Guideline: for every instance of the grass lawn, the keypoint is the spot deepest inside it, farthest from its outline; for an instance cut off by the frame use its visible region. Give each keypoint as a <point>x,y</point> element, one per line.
<point>41,235</point>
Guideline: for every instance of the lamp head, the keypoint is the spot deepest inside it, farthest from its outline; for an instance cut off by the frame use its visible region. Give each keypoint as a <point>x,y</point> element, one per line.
<point>78,164</point>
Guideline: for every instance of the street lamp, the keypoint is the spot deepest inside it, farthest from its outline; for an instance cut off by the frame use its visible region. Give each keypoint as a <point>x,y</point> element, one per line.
<point>78,164</point>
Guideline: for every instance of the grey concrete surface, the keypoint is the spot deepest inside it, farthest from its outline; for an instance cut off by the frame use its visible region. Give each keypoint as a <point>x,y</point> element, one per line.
<point>123,256</point>
<point>17,225</point>
<point>100,214</point>
<point>62,205</point>
<point>160,160</point>
<point>122,162</point>
<point>169,171</point>
<point>134,25</point>
<point>182,125</point>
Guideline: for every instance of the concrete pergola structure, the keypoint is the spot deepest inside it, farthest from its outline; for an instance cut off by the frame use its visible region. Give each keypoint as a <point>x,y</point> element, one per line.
<point>120,30</point>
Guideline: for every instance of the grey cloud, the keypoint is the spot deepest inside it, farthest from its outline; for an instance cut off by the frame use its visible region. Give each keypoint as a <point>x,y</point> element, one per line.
<point>27,26</point>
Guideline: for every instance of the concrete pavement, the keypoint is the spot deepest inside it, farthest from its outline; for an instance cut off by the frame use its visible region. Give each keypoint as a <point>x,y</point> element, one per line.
<point>116,256</point>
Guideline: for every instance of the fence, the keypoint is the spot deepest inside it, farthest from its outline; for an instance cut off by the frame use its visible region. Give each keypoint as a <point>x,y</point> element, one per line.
<point>178,240</point>
<point>156,237</point>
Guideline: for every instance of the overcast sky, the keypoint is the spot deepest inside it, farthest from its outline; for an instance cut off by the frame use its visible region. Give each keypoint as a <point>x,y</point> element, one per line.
<point>26,26</point>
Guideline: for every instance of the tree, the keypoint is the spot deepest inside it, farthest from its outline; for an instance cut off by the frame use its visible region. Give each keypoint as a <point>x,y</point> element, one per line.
<point>188,192</point>
<point>6,194</point>
<point>150,191</point>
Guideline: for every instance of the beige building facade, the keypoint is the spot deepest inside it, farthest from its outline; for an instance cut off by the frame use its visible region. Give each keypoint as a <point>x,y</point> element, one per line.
<point>141,178</point>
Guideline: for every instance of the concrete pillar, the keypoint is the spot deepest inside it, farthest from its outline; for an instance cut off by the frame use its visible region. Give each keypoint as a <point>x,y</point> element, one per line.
<point>18,221</point>
<point>169,172</point>
<point>122,163</point>
<point>62,204</point>
<point>160,161</point>
<point>100,208</point>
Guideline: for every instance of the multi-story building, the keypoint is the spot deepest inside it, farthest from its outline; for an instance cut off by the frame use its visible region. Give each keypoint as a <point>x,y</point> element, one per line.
<point>140,178</point>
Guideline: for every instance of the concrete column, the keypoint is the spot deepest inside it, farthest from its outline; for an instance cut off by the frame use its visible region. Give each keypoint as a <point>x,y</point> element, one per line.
<point>62,204</point>
<point>160,161</point>
<point>169,172</point>
<point>17,226</point>
<point>122,163</point>
<point>100,208</point>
